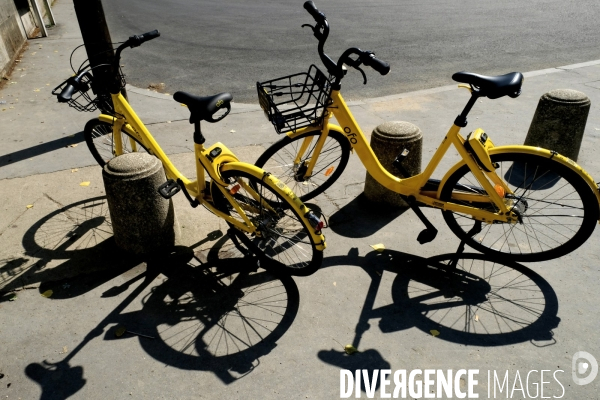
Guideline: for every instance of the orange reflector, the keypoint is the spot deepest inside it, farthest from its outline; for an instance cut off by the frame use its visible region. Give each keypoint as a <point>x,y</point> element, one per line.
<point>234,189</point>
<point>500,190</point>
<point>329,171</point>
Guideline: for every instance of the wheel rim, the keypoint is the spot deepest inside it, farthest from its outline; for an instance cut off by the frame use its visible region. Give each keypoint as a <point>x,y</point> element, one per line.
<point>102,139</point>
<point>282,236</point>
<point>552,200</point>
<point>282,164</point>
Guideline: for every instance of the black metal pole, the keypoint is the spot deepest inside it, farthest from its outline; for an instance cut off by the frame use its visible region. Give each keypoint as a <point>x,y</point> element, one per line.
<point>97,41</point>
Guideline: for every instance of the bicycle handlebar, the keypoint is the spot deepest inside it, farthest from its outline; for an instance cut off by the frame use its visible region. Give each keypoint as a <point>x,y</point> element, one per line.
<point>312,10</point>
<point>321,32</point>
<point>73,85</point>
<point>136,40</point>
<point>378,65</point>
<point>66,94</point>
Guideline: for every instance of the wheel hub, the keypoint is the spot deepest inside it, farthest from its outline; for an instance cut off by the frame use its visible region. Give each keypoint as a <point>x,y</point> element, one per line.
<point>299,171</point>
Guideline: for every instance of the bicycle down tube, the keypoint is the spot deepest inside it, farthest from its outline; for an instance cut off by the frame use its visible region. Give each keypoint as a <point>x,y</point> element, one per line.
<point>408,186</point>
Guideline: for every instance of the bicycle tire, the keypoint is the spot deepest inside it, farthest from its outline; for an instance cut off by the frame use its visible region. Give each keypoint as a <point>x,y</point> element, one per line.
<point>279,160</point>
<point>532,178</point>
<point>98,137</point>
<point>293,252</point>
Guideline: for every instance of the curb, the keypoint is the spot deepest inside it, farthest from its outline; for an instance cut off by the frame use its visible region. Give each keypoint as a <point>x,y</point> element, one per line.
<point>244,107</point>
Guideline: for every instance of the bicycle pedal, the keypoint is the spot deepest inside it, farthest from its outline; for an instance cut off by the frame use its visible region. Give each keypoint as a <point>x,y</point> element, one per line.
<point>169,189</point>
<point>397,163</point>
<point>427,235</point>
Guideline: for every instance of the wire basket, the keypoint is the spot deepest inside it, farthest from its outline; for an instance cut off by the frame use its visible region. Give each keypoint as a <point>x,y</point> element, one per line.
<point>295,101</point>
<point>85,97</point>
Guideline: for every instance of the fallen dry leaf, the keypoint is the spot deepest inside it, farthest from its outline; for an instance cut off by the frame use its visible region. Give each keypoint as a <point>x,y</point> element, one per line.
<point>29,206</point>
<point>349,349</point>
<point>87,183</point>
<point>434,333</point>
<point>47,293</point>
<point>232,131</point>
<point>74,170</point>
<point>72,145</point>
<point>378,247</point>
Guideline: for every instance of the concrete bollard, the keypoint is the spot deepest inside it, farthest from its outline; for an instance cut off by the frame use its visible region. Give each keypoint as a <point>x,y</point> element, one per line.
<point>388,141</point>
<point>143,221</point>
<point>559,122</point>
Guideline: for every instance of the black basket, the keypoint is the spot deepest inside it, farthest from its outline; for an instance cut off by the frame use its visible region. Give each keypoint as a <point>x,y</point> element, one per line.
<point>84,97</point>
<point>295,101</point>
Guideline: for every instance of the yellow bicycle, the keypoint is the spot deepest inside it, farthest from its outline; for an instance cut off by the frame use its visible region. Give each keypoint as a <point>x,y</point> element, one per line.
<point>529,203</point>
<point>266,218</point>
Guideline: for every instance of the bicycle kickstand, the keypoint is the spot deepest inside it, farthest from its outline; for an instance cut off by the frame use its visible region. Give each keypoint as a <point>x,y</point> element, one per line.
<point>461,247</point>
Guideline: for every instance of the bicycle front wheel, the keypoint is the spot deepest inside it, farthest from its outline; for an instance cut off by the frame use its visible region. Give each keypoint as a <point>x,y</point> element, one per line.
<point>558,209</point>
<point>99,139</point>
<point>283,240</point>
<point>280,159</point>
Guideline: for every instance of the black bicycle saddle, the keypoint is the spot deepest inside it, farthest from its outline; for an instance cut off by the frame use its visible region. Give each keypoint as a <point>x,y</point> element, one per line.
<point>203,108</point>
<point>493,87</point>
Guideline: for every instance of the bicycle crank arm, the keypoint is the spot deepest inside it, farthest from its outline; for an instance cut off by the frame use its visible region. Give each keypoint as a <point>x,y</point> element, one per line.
<point>429,233</point>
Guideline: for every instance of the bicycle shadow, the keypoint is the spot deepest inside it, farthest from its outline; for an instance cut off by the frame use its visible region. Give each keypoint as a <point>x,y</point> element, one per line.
<point>482,302</point>
<point>359,219</point>
<point>74,241</point>
<point>221,317</point>
<point>200,297</point>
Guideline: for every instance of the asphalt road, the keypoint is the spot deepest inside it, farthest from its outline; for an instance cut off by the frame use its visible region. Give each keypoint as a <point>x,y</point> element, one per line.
<point>208,47</point>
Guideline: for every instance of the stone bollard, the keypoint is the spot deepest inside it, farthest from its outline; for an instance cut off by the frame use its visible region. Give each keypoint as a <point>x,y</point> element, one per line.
<point>388,141</point>
<point>559,122</point>
<point>143,221</point>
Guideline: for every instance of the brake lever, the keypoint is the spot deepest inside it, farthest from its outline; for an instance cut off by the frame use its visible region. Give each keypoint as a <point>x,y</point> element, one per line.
<point>316,32</point>
<point>363,74</point>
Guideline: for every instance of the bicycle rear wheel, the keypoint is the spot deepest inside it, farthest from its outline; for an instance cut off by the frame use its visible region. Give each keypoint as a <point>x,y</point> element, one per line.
<point>283,241</point>
<point>99,139</point>
<point>279,160</point>
<point>558,209</point>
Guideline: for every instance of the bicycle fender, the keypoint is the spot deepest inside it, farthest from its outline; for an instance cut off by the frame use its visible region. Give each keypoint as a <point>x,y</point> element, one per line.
<point>538,151</point>
<point>212,164</point>
<point>281,189</point>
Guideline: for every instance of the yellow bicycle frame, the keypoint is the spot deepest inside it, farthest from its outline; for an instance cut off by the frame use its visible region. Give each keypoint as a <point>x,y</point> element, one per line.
<point>413,186</point>
<point>127,120</point>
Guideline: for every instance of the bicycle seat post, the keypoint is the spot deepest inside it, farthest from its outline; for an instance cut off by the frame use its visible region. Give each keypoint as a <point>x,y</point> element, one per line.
<point>461,120</point>
<point>198,136</point>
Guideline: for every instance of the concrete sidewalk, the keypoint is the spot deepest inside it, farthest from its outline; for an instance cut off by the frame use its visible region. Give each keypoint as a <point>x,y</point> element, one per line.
<point>221,332</point>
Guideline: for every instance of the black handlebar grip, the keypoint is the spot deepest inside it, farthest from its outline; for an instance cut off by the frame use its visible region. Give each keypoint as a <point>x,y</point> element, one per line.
<point>312,10</point>
<point>136,40</point>
<point>380,66</point>
<point>150,35</point>
<point>66,94</point>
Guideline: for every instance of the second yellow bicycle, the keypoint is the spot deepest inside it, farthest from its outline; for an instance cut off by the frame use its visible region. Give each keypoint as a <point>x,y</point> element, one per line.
<point>528,203</point>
